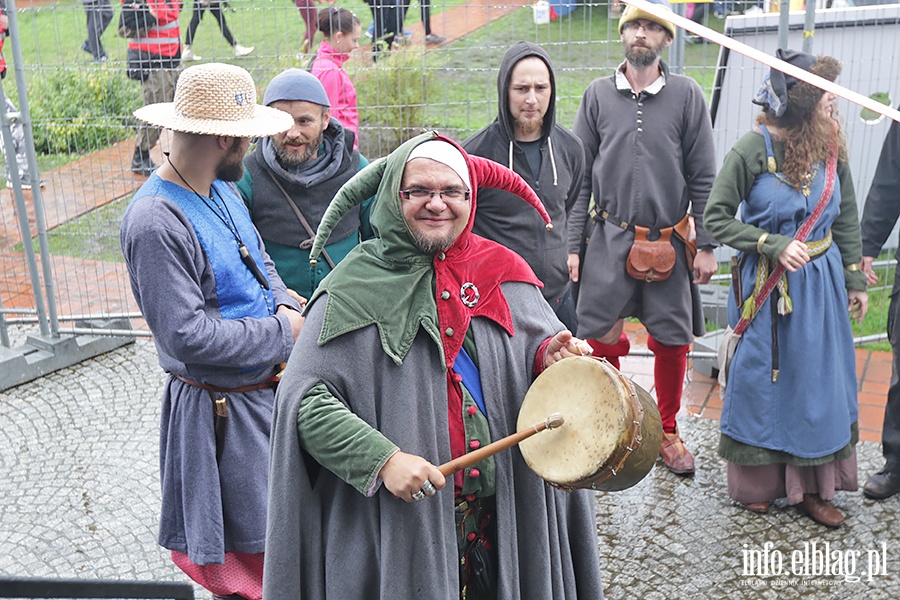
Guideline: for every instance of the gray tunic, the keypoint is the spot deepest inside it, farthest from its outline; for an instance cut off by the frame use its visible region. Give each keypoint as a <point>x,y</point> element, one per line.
<point>327,540</point>
<point>207,508</point>
<point>650,160</point>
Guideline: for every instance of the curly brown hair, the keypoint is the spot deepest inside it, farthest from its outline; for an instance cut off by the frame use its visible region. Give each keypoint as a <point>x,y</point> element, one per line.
<point>809,136</point>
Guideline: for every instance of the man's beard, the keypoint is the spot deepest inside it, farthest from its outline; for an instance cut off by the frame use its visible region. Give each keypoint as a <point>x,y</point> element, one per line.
<point>288,159</point>
<point>432,245</point>
<point>642,60</point>
<point>529,126</point>
<point>231,167</point>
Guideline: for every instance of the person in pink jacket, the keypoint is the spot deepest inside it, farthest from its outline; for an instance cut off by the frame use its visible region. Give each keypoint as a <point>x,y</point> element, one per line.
<point>342,30</point>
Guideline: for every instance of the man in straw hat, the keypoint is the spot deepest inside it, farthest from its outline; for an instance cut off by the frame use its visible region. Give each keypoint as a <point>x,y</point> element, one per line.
<point>417,349</point>
<point>222,322</point>
<point>649,152</point>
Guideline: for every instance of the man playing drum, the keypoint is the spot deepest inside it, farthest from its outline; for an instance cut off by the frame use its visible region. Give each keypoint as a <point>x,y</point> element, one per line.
<point>418,348</point>
<point>650,161</point>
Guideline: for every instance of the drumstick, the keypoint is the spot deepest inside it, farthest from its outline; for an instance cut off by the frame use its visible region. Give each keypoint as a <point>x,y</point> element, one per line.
<point>467,460</point>
<point>759,56</point>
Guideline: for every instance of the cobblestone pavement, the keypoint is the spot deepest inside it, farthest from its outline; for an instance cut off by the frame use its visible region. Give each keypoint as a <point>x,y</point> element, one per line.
<point>79,497</point>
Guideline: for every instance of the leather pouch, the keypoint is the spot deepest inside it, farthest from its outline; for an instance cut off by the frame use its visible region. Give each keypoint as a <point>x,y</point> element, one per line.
<point>651,260</point>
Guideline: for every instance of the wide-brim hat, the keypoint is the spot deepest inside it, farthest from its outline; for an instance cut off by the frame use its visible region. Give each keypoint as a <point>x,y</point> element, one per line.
<point>216,99</point>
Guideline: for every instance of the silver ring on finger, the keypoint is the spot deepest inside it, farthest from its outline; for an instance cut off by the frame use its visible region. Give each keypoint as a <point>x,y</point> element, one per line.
<point>428,488</point>
<point>418,496</point>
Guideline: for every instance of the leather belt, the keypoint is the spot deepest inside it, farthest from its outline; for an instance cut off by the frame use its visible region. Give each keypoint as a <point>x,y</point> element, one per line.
<point>600,214</point>
<point>268,383</point>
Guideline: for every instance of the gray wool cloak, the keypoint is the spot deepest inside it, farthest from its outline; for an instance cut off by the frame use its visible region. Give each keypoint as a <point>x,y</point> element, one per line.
<point>325,540</point>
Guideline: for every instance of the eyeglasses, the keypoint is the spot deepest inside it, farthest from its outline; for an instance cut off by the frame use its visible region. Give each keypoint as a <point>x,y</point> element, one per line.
<point>647,25</point>
<point>450,196</point>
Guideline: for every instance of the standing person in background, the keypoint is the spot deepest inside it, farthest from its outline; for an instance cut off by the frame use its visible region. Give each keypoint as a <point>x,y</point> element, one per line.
<point>526,138</point>
<point>879,217</point>
<point>650,161</point>
<point>99,13</point>
<point>789,421</point>
<point>290,179</point>
<point>430,37</point>
<point>217,10</point>
<point>155,61</point>
<point>388,16</point>
<point>222,322</point>
<point>310,17</point>
<point>342,30</point>
<point>16,128</point>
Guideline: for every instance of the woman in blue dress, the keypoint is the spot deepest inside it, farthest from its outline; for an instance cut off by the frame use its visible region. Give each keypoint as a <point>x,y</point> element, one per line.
<point>789,421</point>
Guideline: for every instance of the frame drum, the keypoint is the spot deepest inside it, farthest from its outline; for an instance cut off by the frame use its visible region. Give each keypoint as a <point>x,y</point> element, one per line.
<point>612,432</point>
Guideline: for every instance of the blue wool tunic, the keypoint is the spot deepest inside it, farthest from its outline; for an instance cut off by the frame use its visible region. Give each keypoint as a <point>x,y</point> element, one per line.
<point>211,323</point>
<point>808,411</point>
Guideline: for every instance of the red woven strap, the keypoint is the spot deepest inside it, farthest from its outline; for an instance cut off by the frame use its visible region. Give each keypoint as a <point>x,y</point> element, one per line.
<point>801,235</point>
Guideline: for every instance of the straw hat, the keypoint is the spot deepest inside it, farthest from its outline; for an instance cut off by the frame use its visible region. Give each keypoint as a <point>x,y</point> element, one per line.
<point>216,99</point>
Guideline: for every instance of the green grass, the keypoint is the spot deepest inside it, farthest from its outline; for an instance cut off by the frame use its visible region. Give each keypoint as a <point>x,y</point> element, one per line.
<point>94,235</point>
<point>583,45</point>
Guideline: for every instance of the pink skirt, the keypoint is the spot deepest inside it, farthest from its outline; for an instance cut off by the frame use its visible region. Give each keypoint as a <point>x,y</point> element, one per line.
<point>766,483</point>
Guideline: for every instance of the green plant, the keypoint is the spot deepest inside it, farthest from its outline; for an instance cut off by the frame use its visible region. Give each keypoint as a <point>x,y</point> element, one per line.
<point>393,95</point>
<point>79,111</point>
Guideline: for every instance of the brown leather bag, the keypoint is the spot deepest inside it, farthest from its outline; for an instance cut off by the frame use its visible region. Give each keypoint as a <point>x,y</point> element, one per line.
<point>686,231</point>
<point>651,260</point>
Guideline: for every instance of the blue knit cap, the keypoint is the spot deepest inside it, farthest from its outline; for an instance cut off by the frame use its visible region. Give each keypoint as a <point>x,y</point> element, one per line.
<point>296,84</point>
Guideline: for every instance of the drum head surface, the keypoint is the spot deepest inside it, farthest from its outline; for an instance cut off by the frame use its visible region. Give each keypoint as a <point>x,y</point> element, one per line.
<point>596,406</point>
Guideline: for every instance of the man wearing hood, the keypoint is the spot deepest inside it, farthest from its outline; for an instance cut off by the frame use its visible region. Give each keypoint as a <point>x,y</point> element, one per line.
<point>417,349</point>
<point>526,138</point>
<point>650,156</point>
<point>290,178</point>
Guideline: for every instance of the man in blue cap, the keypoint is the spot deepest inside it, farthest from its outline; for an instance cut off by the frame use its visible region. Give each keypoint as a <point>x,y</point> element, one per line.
<point>291,178</point>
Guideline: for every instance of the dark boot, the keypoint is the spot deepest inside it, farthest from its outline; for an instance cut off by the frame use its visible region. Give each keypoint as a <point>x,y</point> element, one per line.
<point>141,163</point>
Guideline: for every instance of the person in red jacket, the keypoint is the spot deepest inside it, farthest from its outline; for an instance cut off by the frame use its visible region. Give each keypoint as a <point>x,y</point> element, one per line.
<point>154,59</point>
<point>18,132</point>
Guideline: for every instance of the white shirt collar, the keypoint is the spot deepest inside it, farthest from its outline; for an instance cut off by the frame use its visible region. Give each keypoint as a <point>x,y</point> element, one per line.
<point>623,84</point>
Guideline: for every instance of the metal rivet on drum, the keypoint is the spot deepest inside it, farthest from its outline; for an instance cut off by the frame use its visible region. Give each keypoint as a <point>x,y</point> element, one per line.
<point>445,295</point>
<point>449,332</point>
